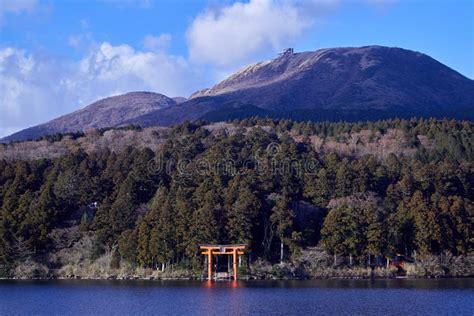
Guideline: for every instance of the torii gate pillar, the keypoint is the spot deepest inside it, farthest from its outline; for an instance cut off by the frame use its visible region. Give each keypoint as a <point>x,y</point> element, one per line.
<point>211,250</point>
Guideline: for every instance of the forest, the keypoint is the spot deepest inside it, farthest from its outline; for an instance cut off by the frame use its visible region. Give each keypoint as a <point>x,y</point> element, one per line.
<point>357,192</point>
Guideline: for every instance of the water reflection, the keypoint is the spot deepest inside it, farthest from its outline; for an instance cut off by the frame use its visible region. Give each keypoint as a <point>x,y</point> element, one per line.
<point>446,296</point>
<point>458,283</point>
<point>223,284</point>
<point>455,283</point>
<point>223,293</point>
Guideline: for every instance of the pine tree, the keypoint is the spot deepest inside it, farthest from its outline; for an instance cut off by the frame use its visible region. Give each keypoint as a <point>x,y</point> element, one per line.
<point>344,179</point>
<point>143,241</point>
<point>283,217</point>
<point>401,231</point>
<point>324,188</point>
<point>44,215</point>
<point>334,233</point>
<point>205,225</point>
<point>242,216</point>
<point>428,234</point>
<point>128,245</point>
<point>181,215</point>
<point>164,235</point>
<point>375,228</point>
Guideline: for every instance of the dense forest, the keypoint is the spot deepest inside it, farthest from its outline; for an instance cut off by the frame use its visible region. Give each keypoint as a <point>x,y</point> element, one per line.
<point>260,182</point>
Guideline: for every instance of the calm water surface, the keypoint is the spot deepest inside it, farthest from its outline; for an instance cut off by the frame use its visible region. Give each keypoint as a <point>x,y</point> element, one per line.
<point>316,297</point>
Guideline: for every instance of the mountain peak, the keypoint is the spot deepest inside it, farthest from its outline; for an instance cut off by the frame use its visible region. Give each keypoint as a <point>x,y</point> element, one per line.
<point>344,83</point>
<point>111,111</point>
<point>346,77</point>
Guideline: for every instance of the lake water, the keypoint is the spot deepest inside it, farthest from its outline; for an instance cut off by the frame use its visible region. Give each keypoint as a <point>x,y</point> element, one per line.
<point>323,297</point>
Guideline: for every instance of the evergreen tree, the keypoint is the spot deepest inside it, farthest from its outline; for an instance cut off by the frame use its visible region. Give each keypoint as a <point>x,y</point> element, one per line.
<point>428,233</point>
<point>334,233</point>
<point>143,241</point>
<point>282,217</point>
<point>128,245</point>
<point>164,235</point>
<point>242,216</point>
<point>426,191</point>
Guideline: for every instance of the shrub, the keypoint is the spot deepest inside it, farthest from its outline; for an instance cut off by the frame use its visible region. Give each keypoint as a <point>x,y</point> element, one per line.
<point>30,270</point>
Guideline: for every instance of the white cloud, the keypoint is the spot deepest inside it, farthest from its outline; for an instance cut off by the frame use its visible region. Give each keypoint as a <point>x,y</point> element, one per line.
<point>82,41</point>
<point>122,68</point>
<point>26,89</point>
<point>17,6</point>
<point>157,43</point>
<point>233,34</point>
<point>35,88</point>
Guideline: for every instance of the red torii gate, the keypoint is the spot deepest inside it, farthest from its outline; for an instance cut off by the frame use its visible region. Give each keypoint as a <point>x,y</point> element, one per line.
<point>234,250</point>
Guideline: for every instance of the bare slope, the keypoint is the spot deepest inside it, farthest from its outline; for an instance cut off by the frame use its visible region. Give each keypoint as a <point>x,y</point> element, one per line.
<point>109,112</point>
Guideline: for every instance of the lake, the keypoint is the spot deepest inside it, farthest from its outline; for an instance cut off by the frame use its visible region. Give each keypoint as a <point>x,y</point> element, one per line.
<point>326,297</point>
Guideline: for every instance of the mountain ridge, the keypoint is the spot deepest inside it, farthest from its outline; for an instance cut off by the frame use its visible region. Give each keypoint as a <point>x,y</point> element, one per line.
<point>324,66</point>
<point>112,111</point>
<point>344,83</point>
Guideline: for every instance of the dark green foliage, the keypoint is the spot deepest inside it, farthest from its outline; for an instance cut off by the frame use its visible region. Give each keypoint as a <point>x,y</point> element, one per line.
<point>242,187</point>
<point>283,218</point>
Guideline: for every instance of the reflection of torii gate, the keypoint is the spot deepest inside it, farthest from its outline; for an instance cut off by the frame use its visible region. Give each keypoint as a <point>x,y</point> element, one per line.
<point>210,250</point>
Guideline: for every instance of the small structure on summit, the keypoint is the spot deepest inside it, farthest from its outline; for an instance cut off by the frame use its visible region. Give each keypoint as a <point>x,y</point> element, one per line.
<point>229,250</point>
<point>286,52</point>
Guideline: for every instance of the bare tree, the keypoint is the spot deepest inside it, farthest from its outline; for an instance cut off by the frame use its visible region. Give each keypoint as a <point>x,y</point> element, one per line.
<point>21,249</point>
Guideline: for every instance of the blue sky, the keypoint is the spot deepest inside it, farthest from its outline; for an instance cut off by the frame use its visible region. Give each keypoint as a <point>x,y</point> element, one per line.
<point>58,56</point>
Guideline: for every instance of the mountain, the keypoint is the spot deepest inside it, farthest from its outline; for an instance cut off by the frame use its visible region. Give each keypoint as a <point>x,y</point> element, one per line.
<point>109,112</point>
<point>179,99</point>
<point>353,83</point>
<point>364,83</point>
<point>364,78</point>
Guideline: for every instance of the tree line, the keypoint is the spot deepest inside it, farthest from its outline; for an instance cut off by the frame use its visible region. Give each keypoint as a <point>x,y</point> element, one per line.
<point>362,208</point>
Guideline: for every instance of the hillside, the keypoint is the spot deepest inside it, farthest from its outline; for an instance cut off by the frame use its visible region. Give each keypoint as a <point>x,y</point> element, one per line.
<point>351,84</point>
<point>109,112</point>
<point>340,198</point>
<point>364,83</point>
<point>360,140</point>
<point>371,77</point>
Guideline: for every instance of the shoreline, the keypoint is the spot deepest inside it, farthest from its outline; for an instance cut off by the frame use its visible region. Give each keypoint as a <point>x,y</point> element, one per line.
<point>258,271</point>
<point>111,278</point>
